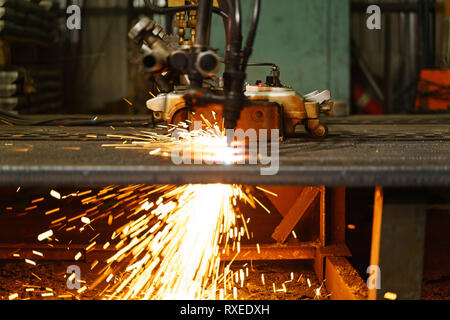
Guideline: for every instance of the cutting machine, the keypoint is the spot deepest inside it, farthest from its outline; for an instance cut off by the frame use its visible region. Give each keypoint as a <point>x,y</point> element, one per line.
<point>187,73</point>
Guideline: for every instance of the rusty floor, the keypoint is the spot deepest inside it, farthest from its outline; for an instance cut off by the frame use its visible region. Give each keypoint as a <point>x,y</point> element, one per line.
<point>293,280</point>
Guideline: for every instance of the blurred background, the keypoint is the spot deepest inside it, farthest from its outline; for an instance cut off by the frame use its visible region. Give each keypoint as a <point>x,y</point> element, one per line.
<point>319,44</point>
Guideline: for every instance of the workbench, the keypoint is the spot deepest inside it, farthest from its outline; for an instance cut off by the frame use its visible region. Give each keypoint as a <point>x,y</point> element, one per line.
<point>390,151</point>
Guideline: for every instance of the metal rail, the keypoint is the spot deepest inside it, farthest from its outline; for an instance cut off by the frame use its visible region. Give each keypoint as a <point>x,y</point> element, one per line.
<point>409,151</point>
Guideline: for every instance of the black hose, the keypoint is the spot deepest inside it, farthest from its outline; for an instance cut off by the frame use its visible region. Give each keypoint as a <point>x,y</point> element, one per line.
<point>235,35</point>
<point>252,34</point>
<point>203,29</point>
<point>167,10</point>
<point>234,78</point>
<point>238,17</point>
<point>237,14</point>
<point>262,64</point>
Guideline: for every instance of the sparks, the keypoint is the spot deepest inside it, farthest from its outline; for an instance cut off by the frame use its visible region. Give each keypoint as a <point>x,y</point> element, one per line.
<point>85,220</point>
<point>390,296</point>
<point>37,253</point>
<point>30,262</point>
<point>55,194</point>
<point>159,252</point>
<point>13,296</point>
<point>45,235</point>
<point>196,146</point>
<point>172,260</point>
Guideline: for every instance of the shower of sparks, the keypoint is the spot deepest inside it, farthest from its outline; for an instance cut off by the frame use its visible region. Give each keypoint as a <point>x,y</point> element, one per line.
<point>178,256</point>
<point>169,243</point>
<point>170,239</point>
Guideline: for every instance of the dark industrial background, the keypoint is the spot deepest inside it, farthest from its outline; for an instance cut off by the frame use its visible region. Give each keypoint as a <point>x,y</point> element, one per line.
<point>325,44</point>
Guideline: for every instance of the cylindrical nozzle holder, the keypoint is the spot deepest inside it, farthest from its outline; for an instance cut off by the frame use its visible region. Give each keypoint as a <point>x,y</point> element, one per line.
<point>208,64</point>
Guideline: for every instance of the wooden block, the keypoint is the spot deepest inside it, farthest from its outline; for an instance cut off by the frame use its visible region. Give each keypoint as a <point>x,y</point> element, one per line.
<point>343,281</point>
<point>294,215</point>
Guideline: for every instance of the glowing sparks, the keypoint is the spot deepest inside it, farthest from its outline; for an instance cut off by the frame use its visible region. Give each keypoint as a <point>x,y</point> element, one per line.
<point>158,252</point>
<point>267,191</point>
<point>13,296</point>
<point>187,143</point>
<point>109,277</point>
<point>37,253</point>
<point>78,256</point>
<point>47,294</point>
<point>55,194</point>
<point>83,289</point>
<point>318,291</point>
<point>172,260</point>
<point>91,246</point>
<point>262,206</point>
<point>72,277</point>
<point>128,101</point>
<point>155,152</point>
<point>169,244</point>
<point>390,296</point>
<point>37,277</point>
<point>52,211</point>
<point>46,235</point>
<point>85,220</point>
<point>30,262</point>
<point>38,200</point>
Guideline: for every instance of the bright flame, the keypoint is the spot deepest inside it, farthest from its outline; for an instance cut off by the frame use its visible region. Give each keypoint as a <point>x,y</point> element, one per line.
<point>197,146</point>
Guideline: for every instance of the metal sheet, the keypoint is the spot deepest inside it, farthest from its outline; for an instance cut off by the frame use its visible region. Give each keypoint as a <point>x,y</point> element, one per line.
<point>361,151</point>
<point>305,251</point>
<point>402,243</point>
